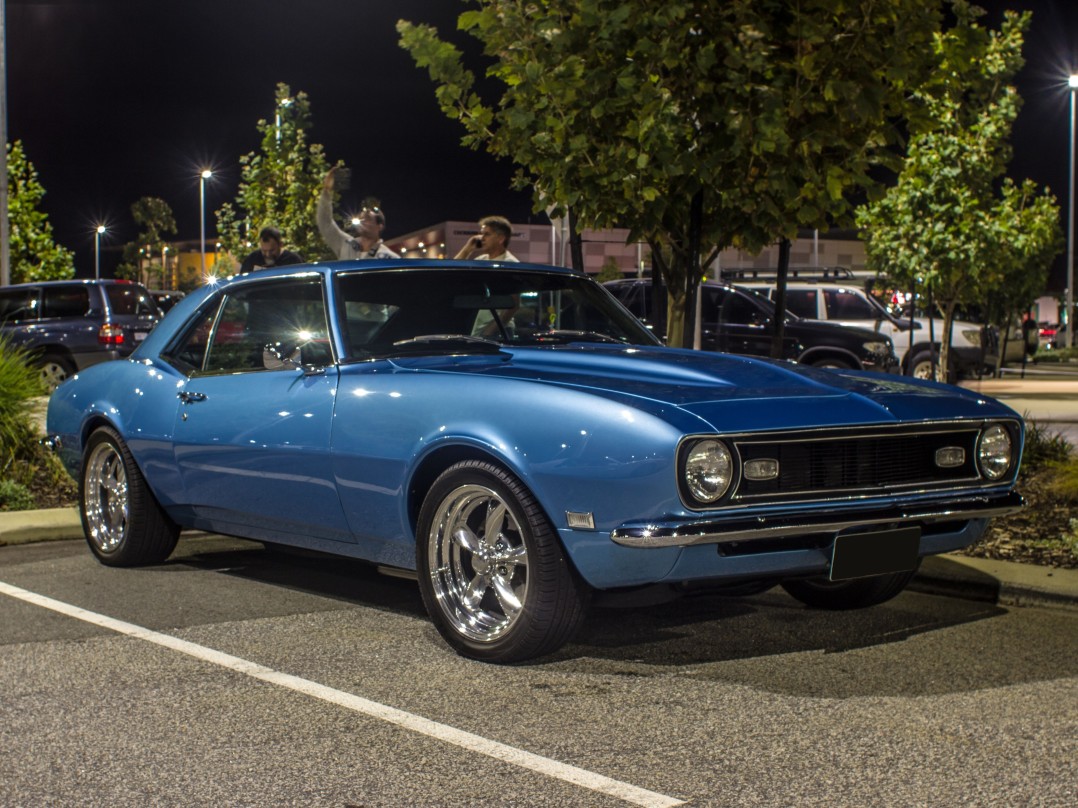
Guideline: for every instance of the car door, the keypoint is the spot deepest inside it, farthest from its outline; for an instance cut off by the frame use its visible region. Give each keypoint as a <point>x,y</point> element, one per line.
<point>734,323</point>
<point>252,429</point>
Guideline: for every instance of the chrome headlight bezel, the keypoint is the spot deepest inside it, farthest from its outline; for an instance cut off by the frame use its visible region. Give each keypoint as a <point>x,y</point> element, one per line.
<point>708,470</point>
<point>996,452</point>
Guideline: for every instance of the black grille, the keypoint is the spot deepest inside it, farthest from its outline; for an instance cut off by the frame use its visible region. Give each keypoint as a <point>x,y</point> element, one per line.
<point>870,463</point>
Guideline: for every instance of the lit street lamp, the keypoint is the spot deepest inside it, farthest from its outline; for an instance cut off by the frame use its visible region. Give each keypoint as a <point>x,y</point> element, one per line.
<point>1073,83</point>
<point>97,251</point>
<point>206,174</point>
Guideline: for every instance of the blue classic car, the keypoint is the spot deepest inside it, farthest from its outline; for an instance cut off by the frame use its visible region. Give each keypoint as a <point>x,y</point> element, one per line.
<point>518,439</point>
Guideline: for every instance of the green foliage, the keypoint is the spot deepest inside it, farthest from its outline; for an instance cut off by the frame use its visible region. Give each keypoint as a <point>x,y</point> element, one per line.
<point>609,271</point>
<point>1057,355</point>
<point>944,223</point>
<point>279,185</point>
<point>19,382</point>
<point>156,220</point>
<point>1064,480</point>
<point>15,496</point>
<point>35,255</point>
<point>696,124</point>
<point>1044,448</point>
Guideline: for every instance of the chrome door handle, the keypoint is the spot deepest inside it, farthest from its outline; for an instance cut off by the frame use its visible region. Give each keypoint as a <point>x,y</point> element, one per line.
<point>189,398</point>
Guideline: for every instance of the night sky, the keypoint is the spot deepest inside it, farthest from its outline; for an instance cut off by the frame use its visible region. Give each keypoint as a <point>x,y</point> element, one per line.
<point>119,99</point>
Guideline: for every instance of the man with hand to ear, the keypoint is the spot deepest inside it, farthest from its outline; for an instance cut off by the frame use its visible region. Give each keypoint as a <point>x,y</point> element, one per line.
<point>492,242</point>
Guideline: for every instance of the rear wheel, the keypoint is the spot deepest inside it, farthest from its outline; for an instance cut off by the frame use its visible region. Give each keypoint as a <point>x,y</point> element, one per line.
<point>123,523</point>
<point>821,593</point>
<point>492,572</point>
<point>55,369</point>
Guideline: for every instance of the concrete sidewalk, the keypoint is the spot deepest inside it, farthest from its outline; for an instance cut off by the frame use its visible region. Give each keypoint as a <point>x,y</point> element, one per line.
<point>1001,582</point>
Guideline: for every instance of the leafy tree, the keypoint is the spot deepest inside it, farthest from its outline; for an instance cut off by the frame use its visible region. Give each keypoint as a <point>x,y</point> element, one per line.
<point>948,224</point>
<point>35,255</point>
<point>696,124</point>
<point>156,220</point>
<point>280,184</point>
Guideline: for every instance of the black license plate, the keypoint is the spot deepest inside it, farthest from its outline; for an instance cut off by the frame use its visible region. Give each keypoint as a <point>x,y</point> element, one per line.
<point>858,555</point>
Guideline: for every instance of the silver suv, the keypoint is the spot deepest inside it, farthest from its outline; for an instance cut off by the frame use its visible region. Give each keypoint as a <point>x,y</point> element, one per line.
<point>973,346</point>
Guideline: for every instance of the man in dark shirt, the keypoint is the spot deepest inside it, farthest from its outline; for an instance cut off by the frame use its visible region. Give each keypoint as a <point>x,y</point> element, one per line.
<point>269,253</point>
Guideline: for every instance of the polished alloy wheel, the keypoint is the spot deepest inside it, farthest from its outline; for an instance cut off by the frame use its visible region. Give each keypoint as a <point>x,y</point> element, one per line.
<point>52,374</point>
<point>478,563</point>
<point>105,498</point>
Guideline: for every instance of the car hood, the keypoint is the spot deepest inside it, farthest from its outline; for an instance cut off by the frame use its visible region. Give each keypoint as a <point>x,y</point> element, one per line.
<point>727,392</point>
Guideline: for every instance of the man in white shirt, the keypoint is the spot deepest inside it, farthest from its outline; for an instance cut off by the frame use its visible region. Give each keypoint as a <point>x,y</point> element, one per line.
<point>367,243</point>
<point>492,242</point>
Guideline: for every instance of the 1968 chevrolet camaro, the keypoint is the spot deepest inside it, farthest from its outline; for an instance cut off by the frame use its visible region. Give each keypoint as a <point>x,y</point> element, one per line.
<point>517,438</point>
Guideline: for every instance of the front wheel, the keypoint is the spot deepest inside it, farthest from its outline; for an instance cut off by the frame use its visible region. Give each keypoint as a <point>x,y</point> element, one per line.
<point>922,365</point>
<point>857,593</point>
<point>492,573</point>
<point>832,363</point>
<point>123,523</point>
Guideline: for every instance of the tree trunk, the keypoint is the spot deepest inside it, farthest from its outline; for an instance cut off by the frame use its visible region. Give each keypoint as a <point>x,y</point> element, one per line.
<point>779,326</point>
<point>576,248</point>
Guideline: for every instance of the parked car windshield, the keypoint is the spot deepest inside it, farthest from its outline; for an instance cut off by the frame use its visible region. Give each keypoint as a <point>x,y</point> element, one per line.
<point>384,313</point>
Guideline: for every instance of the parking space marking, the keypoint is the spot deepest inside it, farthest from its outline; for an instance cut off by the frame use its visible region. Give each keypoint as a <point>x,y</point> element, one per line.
<point>410,721</point>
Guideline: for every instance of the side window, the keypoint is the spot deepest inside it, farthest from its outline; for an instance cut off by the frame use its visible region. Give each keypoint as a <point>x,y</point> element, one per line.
<point>18,305</point>
<point>739,310</point>
<point>259,327</point>
<point>131,299</point>
<point>802,302</point>
<point>843,304</point>
<point>65,301</point>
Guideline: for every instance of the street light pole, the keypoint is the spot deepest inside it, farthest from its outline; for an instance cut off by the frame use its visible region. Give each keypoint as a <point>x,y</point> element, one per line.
<point>1072,82</point>
<point>97,251</point>
<point>206,174</point>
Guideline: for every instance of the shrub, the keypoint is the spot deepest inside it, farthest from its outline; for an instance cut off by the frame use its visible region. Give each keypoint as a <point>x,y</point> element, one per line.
<point>15,496</point>
<point>19,382</point>
<point>1044,448</point>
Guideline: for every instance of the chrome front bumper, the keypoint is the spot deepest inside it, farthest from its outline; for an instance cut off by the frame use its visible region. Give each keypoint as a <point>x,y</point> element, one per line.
<point>739,528</point>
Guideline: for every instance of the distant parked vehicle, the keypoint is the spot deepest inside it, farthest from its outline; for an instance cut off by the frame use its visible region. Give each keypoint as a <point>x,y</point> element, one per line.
<point>740,321</point>
<point>823,293</point>
<point>70,325</point>
<point>1049,336</point>
<point>166,298</point>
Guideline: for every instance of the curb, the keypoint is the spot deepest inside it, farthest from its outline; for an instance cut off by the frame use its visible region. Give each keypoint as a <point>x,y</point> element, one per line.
<point>1005,583</point>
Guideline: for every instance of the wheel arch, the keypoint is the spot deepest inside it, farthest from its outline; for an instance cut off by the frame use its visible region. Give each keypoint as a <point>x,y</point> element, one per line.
<point>830,352</point>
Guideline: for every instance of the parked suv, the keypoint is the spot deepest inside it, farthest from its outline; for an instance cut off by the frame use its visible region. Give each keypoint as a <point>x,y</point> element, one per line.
<point>70,325</point>
<point>741,321</point>
<point>974,347</point>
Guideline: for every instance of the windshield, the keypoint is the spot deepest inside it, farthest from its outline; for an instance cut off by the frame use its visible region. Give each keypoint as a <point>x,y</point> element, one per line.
<point>394,312</point>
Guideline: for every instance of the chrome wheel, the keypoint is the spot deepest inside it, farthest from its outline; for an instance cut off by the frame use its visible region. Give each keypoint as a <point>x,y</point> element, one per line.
<point>478,563</point>
<point>123,522</point>
<point>104,498</point>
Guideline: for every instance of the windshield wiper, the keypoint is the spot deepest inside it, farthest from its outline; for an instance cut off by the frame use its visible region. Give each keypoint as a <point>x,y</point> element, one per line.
<point>445,344</point>
<point>564,336</point>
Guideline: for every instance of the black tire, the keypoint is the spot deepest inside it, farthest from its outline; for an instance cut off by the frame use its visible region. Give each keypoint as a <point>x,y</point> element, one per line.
<point>922,367</point>
<point>55,368</point>
<point>123,523</point>
<point>503,598</point>
<point>820,593</point>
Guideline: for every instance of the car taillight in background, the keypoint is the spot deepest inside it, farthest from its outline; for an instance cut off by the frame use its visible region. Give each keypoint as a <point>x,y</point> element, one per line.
<point>110,334</point>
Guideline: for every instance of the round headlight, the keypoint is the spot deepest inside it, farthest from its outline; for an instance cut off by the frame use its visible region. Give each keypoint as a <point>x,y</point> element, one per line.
<point>995,452</point>
<point>709,470</point>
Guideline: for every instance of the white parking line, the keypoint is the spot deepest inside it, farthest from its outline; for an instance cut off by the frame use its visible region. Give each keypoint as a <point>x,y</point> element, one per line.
<point>465,740</point>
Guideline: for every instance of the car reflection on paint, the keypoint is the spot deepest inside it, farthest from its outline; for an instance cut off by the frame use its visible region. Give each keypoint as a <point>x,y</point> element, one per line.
<point>518,439</point>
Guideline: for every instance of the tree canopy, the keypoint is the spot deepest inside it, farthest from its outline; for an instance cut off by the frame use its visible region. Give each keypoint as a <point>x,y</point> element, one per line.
<point>35,255</point>
<point>156,220</point>
<point>695,124</point>
<point>951,224</point>
<point>279,185</point>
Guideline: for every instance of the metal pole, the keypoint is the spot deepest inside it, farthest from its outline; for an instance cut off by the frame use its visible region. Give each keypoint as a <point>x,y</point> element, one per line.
<point>5,224</point>
<point>1073,83</point>
<point>202,219</point>
<point>97,254</point>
